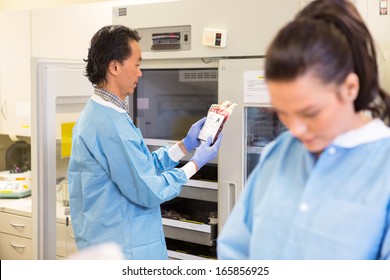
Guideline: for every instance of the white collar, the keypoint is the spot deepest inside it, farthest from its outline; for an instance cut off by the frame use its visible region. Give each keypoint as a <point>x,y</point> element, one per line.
<point>370,132</point>
<point>103,102</point>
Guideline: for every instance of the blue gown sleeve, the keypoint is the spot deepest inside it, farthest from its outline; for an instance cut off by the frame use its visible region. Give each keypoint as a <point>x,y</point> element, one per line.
<point>162,160</point>
<point>132,168</point>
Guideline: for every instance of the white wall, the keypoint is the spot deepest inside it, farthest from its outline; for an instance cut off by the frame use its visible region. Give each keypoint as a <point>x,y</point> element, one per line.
<point>379,26</point>
<point>33,4</point>
<point>28,4</point>
<point>380,29</point>
<point>65,32</point>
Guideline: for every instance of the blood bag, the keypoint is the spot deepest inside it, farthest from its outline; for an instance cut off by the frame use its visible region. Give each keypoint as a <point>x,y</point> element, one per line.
<point>216,118</point>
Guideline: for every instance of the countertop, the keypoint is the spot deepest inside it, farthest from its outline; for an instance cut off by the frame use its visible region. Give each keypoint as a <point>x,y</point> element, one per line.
<point>22,206</point>
<point>18,206</point>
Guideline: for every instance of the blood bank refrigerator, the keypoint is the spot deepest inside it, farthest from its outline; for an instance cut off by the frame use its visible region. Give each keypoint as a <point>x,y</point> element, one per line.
<point>252,125</point>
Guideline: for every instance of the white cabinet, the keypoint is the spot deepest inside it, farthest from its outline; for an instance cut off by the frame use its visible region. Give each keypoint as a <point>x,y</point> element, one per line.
<point>65,32</point>
<point>66,245</point>
<point>61,33</point>
<point>61,240</point>
<point>15,237</point>
<point>15,85</point>
<point>65,240</point>
<point>71,247</point>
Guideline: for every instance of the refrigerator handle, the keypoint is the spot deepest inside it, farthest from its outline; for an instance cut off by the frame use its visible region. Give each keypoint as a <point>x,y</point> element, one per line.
<point>238,190</point>
<point>230,190</point>
<point>229,195</point>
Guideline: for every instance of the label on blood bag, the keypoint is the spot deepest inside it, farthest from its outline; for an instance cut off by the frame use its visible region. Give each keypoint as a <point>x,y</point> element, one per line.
<point>211,126</point>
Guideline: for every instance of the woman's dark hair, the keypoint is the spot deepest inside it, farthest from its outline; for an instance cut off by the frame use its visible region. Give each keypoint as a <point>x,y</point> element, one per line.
<point>109,43</point>
<point>329,39</point>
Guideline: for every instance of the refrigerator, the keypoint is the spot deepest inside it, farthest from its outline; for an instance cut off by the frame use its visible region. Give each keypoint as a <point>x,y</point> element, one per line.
<point>252,125</point>
<point>61,92</point>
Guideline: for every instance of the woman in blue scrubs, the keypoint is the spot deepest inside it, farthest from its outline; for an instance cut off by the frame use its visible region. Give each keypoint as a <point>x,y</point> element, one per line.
<point>322,189</point>
<point>116,184</point>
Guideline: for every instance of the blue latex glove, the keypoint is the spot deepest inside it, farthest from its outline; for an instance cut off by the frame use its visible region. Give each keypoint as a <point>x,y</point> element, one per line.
<point>206,152</point>
<point>191,140</point>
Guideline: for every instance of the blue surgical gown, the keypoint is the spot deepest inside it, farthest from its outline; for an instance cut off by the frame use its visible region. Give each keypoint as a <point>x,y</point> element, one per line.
<point>116,184</point>
<point>295,206</point>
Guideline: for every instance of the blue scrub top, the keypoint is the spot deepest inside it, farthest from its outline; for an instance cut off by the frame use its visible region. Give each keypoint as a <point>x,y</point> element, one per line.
<point>116,184</point>
<point>297,207</point>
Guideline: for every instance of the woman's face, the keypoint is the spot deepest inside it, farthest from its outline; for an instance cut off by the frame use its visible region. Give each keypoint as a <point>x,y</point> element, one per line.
<point>313,112</point>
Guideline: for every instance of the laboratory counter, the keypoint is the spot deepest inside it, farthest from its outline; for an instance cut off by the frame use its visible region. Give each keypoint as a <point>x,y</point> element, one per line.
<point>16,230</point>
<point>23,207</point>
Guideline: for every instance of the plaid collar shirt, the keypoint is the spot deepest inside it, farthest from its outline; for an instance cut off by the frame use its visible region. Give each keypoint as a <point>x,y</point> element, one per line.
<point>110,97</point>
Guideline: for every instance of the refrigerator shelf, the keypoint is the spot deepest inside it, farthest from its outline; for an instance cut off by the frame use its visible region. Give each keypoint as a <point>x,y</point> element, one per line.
<point>174,255</point>
<point>254,150</point>
<point>195,226</point>
<point>204,234</point>
<point>202,184</point>
<point>199,193</point>
<point>207,192</point>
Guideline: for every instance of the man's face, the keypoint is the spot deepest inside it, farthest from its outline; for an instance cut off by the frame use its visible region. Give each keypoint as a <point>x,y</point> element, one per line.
<point>129,71</point>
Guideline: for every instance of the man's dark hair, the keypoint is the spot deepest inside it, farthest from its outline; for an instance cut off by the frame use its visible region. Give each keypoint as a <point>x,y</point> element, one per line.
<point>110,43</point>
